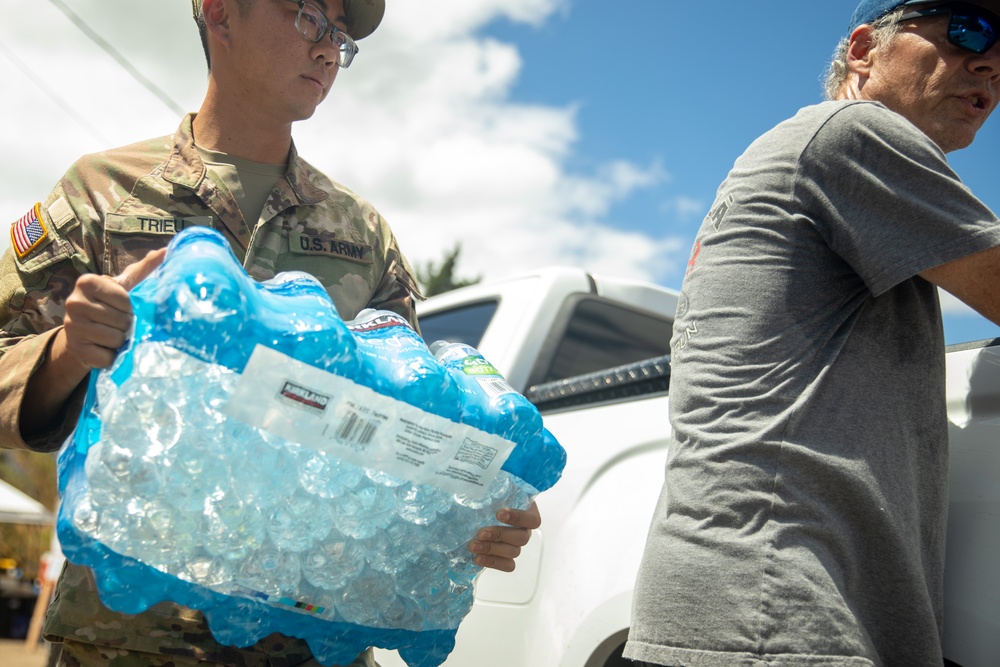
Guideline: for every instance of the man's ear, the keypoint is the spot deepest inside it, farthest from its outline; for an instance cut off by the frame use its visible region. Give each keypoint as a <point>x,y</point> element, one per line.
<point>861,52</point>
<point>217,19</point>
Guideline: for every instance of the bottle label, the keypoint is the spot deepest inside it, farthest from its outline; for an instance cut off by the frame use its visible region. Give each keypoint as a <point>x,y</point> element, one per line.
<point>489,378</point>
<point>372,320</point>
<point>478,366</point>
<point>333,414</point>
<point>495,386</point>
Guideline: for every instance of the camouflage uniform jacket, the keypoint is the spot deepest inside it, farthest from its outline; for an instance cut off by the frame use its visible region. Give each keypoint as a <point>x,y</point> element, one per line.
<point>108,211</point>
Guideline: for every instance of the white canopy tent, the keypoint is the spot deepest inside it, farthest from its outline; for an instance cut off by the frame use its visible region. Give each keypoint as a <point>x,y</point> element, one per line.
<point>20,508</point>
<point>16,507</point>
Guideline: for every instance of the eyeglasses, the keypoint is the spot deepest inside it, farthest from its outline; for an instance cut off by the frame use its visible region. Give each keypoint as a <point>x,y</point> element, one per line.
<point>314,26</point>
<point>970,27</point>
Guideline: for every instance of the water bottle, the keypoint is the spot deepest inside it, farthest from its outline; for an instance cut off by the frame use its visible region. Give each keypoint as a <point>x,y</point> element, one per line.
<point>333,562</point>
<point>201,300</point>
<point>398,364</point>
<point>298,318</point>
<point>492,405</point>
<point>504,411</point>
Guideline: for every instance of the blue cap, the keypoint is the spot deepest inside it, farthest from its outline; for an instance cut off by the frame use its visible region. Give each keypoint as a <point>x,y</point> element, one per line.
<point>869,11</point>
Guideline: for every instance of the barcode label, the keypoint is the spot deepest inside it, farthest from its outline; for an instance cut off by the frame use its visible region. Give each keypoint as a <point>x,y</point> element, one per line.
<point>356,431</point>
<point>495,386</point>
<point>357,425</point>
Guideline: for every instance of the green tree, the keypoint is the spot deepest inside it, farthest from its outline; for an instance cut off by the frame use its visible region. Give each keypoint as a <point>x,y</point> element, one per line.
<point>439,278</point>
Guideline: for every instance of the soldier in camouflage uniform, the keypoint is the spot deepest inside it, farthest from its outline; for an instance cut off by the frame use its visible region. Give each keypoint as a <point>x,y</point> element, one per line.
<point>64,306</point>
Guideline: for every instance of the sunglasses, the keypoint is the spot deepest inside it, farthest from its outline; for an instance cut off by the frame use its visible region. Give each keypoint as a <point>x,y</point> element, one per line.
<point>970,27</point>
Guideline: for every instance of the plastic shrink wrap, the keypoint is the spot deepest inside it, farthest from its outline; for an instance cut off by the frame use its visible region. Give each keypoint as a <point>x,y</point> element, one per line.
<point>251,455</point>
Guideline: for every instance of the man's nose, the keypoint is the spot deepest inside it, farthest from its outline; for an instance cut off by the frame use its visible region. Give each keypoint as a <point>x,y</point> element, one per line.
<point>987,64</point>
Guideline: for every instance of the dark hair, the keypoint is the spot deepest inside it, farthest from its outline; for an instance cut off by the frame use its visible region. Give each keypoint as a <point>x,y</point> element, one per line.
<point>243,6</point>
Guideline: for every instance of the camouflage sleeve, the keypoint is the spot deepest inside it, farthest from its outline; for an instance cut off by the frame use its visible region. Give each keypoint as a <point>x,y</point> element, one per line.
<point>16,366</point>
<point>34,284</point>
<point>23,346</point>
<point>397,291</point>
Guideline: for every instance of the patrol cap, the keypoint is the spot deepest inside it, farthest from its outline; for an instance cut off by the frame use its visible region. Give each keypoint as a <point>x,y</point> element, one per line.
<point>363,16</point>
<point>870,11</point>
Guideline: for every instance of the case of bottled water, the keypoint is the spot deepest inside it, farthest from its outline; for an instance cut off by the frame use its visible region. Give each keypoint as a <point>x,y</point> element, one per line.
<point>252,455</point>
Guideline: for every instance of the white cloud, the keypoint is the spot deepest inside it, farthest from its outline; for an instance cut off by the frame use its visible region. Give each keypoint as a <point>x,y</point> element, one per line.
<point>685,209</point>
<point>952,305</point>
<point>423,125</point>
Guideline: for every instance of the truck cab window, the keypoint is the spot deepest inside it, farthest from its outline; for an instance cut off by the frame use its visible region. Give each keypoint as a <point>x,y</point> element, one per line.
<point>466,324</point>
<point>600,334</point>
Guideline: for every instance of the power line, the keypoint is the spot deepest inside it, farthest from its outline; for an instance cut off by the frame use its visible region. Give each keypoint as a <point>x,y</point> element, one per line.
<point>52,95</point>
<point>114,53</point>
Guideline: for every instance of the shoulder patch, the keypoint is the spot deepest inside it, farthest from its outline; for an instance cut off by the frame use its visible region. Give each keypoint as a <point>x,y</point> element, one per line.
<point>29,233</point>
<point>61,214</point>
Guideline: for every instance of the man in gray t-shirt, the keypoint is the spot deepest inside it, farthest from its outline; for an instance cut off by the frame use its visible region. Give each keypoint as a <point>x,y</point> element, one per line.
<point>803,513</point>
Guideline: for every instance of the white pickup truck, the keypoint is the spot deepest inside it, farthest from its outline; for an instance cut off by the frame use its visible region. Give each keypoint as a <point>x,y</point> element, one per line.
<point>590,353</point>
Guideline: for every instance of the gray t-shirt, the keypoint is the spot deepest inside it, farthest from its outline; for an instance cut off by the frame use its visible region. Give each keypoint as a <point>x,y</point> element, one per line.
<point>803,513</point>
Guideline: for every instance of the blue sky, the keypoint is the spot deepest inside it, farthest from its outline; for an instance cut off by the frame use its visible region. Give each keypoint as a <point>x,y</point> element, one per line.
<point>691,85</point>
<point>532,132</point>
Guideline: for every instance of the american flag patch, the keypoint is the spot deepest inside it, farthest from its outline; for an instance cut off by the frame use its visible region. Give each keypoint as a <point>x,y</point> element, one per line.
<point>29,232</point>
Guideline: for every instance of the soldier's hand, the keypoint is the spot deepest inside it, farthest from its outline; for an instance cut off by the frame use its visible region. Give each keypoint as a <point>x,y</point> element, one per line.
<point>99,313</point>
<point>496,547</point>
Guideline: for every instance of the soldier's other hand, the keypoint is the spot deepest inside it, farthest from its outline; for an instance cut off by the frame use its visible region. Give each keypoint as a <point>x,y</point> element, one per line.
<point>99,313</point>
<point>496,547</point>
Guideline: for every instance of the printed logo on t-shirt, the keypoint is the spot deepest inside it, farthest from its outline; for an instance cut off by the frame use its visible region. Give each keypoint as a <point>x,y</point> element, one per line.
<point>695,252</point>
<point>680,343</point>
<point>718,214</point>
